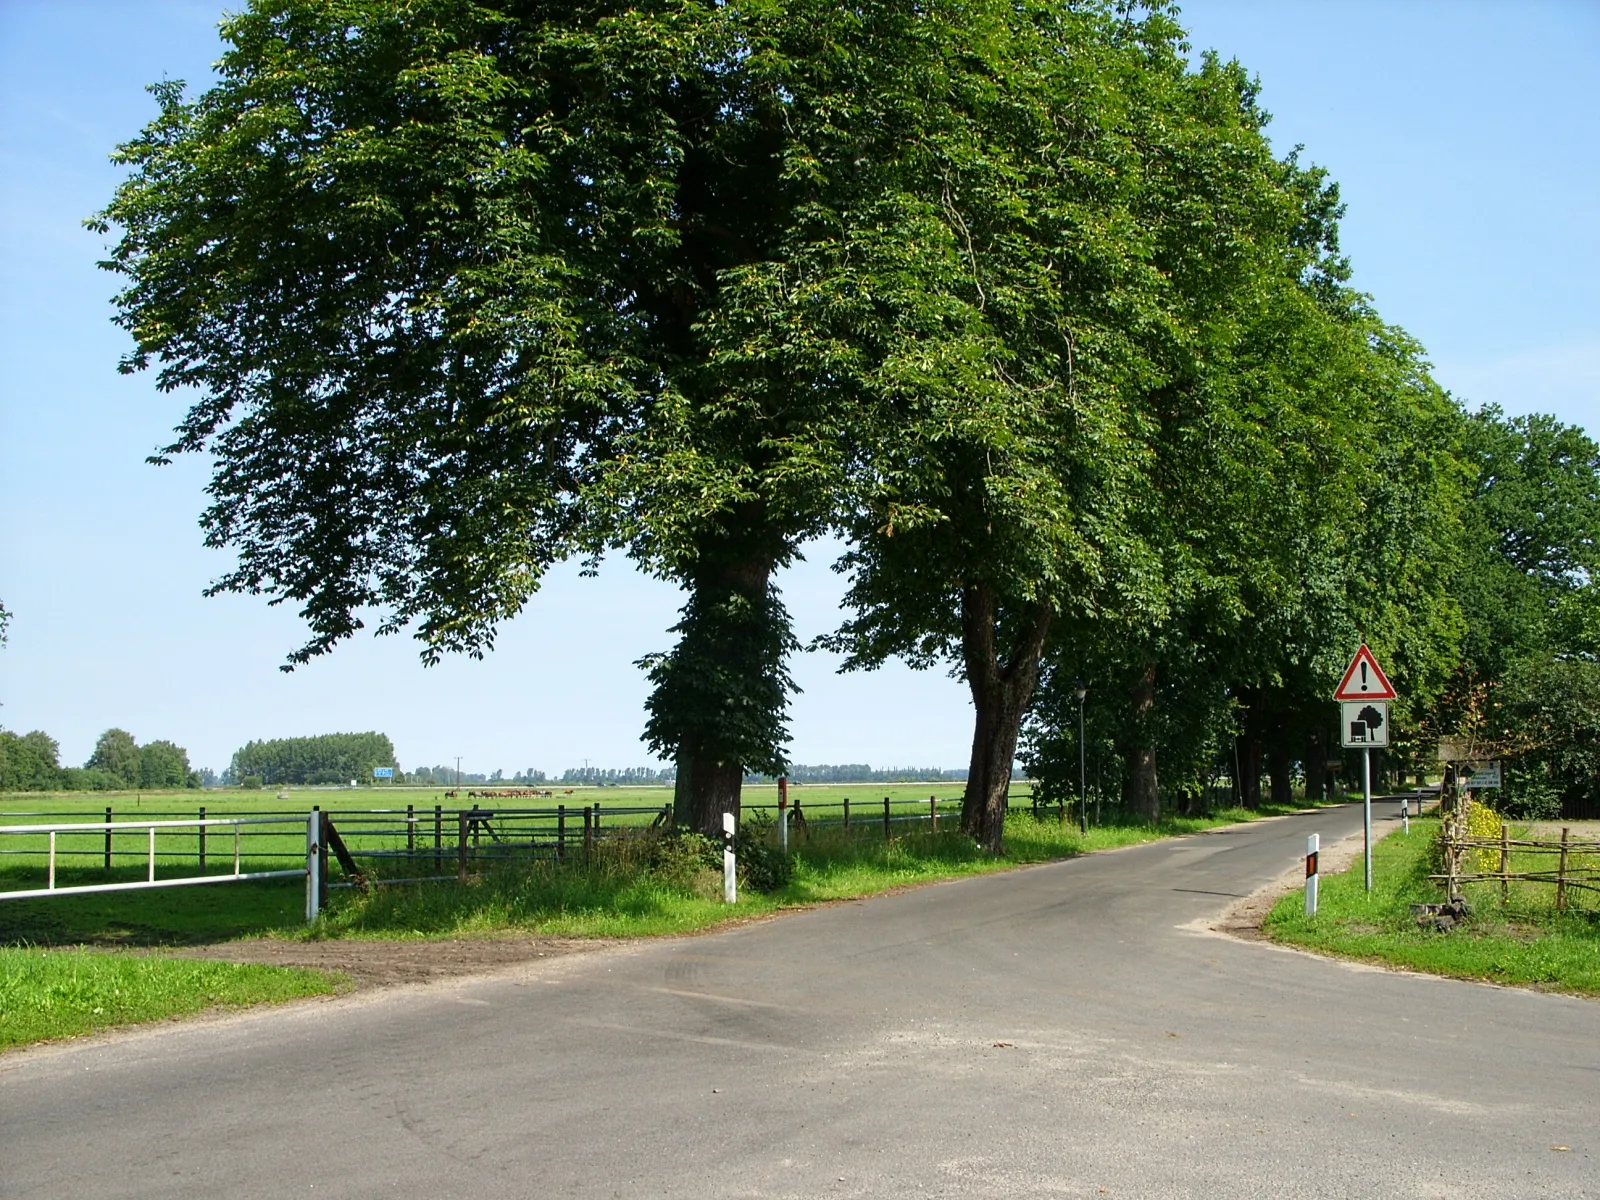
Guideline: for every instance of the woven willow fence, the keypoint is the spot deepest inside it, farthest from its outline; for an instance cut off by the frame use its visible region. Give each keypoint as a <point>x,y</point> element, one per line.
<point>1573,864</point>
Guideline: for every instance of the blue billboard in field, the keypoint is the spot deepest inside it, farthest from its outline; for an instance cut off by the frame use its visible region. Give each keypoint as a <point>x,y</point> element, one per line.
<point>383,772</point>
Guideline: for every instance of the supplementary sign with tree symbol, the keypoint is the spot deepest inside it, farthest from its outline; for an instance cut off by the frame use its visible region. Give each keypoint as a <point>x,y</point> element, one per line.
<point>1365,725</point>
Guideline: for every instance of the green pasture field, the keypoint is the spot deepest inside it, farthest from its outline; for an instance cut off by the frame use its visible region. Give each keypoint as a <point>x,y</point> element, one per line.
<point>1525,942</point>
<point>80,857</point>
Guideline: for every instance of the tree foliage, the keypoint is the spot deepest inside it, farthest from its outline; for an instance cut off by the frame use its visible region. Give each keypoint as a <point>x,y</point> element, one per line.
<point>117,754</point>
<point>328,758</point>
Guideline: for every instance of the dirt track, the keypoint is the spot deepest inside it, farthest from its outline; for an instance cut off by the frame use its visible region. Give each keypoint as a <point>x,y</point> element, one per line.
<point>381,963</point>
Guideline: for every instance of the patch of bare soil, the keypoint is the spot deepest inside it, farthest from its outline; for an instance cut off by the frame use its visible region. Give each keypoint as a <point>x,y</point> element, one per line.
<point>374,963</point>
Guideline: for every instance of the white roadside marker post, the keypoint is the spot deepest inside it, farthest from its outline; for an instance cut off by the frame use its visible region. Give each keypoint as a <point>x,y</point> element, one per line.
<point>1313,843</point>
<point>730,863</point>
<point>783,813</point>
<point>313,866</point>
<point>1405,814</point>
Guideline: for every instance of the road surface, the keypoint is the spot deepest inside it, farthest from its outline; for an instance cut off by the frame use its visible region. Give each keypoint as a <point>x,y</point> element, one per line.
<point>1054,1031</point>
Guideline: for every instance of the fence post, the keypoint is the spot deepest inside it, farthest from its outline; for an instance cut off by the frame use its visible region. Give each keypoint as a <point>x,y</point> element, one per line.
<point>847,814</point>
<point>597,818</point>
<point>461,844</point>
<point>108,837</point>
<point>313,865</point>
<point>411,830</point>
<point>730,861</point>
<point>438,838</point>
<point>1561,873</point>
<point>886,834</point>
<point>561,832</point>
<point>202,830</point>
<point>1505,864</point>
<point>933,812</point>
<point>588,833</point>
<point>322,861</point>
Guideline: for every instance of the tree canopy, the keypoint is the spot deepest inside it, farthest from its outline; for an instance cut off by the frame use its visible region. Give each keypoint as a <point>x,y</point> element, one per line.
<point>1014,295</point>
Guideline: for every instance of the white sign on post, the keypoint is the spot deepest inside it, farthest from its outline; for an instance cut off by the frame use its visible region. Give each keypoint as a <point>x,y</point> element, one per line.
<point>1364,724</point>
<point>1486,776</point>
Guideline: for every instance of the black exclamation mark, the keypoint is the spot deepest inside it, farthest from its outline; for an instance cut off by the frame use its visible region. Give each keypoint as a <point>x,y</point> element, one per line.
<point>1363,677</point>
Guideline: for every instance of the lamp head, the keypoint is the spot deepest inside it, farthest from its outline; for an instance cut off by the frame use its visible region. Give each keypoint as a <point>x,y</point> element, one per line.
<point>1079,688</point>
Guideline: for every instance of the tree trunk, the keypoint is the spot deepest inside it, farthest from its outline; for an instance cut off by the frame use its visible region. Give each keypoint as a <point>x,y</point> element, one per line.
<point>1316,764</point>
<point>1144,790</point>
<point>1278,764</point>
<point>1000,695</point>
<point>712,788</point>
<point>732,642</point>
<point>1247,748</point>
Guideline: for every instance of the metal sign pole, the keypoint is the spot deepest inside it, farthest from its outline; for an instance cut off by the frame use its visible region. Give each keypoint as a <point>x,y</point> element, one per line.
<point>1366,812</point>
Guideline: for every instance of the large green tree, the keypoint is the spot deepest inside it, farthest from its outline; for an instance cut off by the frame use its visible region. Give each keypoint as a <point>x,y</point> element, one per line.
<point>117,754</point>
<point>1103,212</point>
<point>466,289</point>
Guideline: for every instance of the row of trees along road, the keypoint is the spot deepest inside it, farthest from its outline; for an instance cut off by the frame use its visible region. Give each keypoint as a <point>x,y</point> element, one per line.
<point>1014,296</point>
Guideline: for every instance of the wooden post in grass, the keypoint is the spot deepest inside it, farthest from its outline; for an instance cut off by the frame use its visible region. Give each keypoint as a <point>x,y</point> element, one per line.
<point>561,832</point>
<point>438,838</point>
<point>933,812</point>
<point>108,837</point>
<point>1505,863</point>
<point>461,845</point>
<point>411,830</point>
<point>886,834</point>
<point>1561,873</point>
<point>846,814</point>
<point>202,830</point>
<point>588,833</point>
<point>322,858</point>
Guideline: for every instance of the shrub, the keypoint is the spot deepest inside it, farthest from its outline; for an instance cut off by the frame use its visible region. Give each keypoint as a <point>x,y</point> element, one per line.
<point>251,783</point>
<point>762,866</point>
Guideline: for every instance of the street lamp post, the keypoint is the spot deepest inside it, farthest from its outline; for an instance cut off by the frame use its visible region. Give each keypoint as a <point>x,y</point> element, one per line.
<point>1080,691</point>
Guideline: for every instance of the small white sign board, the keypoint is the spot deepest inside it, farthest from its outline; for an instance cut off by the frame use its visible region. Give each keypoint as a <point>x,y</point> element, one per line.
<point>1364,724</point>
<point>1486,776</point>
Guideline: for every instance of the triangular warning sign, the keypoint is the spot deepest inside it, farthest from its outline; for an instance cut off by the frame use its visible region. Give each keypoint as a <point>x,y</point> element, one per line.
<point>1364,679</point>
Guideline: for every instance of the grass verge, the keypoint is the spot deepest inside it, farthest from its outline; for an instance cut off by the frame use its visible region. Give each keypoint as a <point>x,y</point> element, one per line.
<point>57,993</point>
<point>1526,944</point>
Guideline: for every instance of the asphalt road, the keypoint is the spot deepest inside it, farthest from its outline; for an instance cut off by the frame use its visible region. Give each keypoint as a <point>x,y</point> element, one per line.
<point>1048,1032</point>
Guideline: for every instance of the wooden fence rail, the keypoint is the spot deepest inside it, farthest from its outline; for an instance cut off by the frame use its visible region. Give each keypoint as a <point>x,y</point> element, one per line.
<point>1460,849</point>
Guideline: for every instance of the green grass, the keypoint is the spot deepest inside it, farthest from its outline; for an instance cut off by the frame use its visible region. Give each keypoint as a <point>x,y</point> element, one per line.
<point>57,993</point>
<point>1526,943</point>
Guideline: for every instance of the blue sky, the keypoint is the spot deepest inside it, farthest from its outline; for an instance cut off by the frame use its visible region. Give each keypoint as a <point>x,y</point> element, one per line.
<point>1463,136</point>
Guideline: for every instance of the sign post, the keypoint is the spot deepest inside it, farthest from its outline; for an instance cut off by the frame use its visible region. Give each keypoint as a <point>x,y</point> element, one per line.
<point>1363,695</point>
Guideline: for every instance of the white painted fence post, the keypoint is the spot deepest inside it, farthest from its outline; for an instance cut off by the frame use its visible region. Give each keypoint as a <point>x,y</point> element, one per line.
<point>313,866</point>
<point>730,862</point>
<point>1313,844</point>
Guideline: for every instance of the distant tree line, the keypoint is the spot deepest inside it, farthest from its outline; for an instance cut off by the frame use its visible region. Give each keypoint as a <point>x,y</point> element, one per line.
<point>31,762</point>
<point>862,773</point>
<point>327,758</point>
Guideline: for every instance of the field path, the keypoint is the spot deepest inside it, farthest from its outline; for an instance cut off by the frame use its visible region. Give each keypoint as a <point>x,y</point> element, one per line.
<point>1064,1030</point>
